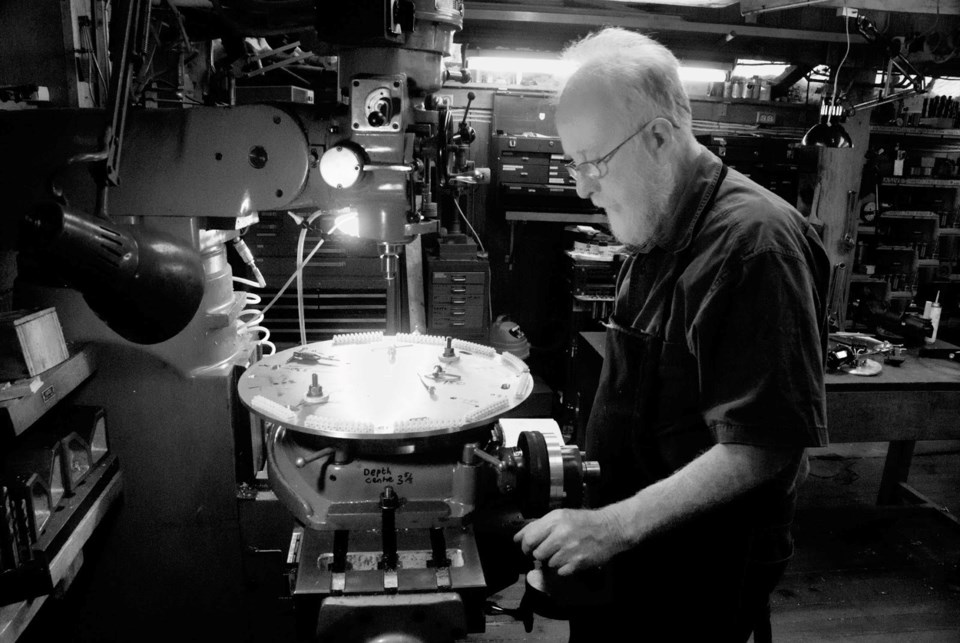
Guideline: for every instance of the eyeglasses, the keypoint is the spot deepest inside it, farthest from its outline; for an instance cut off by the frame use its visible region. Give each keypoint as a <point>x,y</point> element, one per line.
<point>597,168</point>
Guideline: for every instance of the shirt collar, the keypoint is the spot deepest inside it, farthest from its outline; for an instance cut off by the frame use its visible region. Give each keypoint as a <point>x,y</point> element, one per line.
<point>704,177</point>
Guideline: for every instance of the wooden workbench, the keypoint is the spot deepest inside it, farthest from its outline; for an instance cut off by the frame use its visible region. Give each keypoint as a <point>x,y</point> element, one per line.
<point>918,400</point>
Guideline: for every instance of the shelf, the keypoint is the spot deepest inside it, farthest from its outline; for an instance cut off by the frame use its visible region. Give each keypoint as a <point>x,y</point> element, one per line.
<point>867,229</point>
<point>947,232</point>
<point>909,214</point>
<point>16,416</point>
<point>85,513</point>
<point>556,217</point>
<point>890,248</point>
<point>920,181</point>
<point>928,262</point>
<point>919,132</point>
<point>901,294</point>
<point>594,298</point>
<point>760,103</point>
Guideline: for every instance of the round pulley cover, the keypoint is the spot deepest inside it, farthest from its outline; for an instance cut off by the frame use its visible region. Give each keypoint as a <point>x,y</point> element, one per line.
<point>369,386</point>
<point>340,167</point>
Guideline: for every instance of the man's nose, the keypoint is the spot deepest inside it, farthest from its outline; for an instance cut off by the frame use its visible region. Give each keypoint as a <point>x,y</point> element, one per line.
<point>586,186</point>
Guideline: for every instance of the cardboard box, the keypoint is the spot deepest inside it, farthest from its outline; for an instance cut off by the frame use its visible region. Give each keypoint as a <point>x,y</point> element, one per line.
<point>31,341</point>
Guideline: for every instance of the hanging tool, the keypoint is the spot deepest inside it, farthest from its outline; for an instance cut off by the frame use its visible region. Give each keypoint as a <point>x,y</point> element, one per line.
<point>833,298</point>
<point>814,218</point>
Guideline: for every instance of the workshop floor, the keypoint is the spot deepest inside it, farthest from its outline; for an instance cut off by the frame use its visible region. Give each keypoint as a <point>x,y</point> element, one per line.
<point>862,573</point>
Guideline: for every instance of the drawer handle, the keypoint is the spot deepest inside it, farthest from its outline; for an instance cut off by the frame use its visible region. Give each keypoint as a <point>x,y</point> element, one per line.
<point>458,291</point>
<point>458,323</point>
<point>458,313</point>
<point>460,302</point>
<point>458,279</point>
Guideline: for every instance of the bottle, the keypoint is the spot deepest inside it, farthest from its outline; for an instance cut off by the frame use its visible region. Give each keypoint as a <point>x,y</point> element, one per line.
<point>764,90</point>
<point>738,88</point>
<point>934,315</point>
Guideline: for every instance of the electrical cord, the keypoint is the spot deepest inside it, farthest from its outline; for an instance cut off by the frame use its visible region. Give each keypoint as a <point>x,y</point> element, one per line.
<point>247,257</point>
<point>456,202</point>
<point>836,76</point>
<point>340,220</point>
<point>301,317</point>
<point>463,216</point>
<point>254,284</point>
<point>254,324</point>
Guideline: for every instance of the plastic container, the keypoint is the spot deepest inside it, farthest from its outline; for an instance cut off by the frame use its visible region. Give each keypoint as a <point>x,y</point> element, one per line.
<point>506,336</point>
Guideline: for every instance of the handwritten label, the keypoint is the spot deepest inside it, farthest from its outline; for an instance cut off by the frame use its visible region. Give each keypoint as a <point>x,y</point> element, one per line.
<point>384,475</point>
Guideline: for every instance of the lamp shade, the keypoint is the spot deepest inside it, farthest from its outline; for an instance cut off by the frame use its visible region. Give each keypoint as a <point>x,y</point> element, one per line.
<point>828,132</point>
<point>827,135</point>
<point>145,285</point>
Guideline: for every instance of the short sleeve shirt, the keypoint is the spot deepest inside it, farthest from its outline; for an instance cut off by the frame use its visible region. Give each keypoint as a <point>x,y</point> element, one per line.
<point>747,311</point>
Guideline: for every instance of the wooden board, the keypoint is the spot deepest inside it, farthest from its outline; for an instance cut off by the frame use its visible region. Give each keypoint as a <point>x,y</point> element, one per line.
<point>31,341</point>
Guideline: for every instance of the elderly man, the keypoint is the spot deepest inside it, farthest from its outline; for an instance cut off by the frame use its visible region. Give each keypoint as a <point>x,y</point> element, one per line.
<point>712,384</point>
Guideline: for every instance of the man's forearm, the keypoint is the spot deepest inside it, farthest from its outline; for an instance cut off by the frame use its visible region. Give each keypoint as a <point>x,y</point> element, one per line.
<point>719,475</point>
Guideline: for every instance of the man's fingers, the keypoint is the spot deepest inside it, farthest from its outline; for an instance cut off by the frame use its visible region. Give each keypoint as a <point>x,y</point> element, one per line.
<point>567,569</point>
<point>547,549</point>
<point>530,536</point>
<point>518,537</point>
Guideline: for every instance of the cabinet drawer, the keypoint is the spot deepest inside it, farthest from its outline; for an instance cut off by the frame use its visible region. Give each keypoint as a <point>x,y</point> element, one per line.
<point>459,278</point>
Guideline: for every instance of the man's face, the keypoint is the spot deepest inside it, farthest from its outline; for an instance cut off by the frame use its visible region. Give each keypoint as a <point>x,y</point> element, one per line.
<point>635,189</point>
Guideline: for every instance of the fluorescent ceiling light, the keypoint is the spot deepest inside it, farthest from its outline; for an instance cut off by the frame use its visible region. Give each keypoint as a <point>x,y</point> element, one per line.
<point>522,64</point>
<point>761,68</point>
<point>555,67</point>
<point>944,86</point>
<point>702,74</point>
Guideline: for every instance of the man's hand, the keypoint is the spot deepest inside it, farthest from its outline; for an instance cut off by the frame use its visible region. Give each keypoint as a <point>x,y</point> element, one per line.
<point>571,540</point>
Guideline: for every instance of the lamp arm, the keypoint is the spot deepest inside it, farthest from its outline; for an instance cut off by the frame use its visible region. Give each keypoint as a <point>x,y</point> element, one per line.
<point>870,33</point>
<point>883,100</point>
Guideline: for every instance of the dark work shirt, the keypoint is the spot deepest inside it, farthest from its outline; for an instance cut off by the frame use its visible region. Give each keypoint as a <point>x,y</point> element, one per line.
<point>747,315</point>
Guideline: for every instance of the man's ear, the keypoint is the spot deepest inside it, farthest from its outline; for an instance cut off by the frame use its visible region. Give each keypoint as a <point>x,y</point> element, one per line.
<point>661,135</point>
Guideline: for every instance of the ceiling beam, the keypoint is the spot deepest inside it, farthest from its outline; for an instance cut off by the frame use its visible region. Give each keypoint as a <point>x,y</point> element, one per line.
<point>943,7</point>
<point>696,4</point>
<point>480,12</point>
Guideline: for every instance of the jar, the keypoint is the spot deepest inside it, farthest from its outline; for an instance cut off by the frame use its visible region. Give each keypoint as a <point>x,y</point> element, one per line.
<point>764,90</point>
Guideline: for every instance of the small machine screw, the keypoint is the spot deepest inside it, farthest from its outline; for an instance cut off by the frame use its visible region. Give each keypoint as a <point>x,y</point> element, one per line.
<point>449,355</point>
<point>315,392</point>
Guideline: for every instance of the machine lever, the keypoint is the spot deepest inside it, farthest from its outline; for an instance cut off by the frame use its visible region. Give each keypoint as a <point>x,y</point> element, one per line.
<point>470,98</point>
<point>465,134</point>
<point>522,613</point>
<point>341,538</point>
<point>438,544</point>
<point>389,502</point>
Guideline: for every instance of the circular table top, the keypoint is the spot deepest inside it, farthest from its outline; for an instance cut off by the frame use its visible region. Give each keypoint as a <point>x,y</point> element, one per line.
<point>369,386</point>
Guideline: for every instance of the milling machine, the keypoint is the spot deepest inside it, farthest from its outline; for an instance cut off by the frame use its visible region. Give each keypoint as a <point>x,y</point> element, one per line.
<point>385,446</point>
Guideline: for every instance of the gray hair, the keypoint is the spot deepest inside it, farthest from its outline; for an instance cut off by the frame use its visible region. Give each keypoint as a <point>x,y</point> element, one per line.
<point>640,73</point>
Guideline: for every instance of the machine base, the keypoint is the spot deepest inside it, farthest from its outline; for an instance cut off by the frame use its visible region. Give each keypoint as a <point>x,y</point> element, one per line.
<point>410,618</point>
<point>417,601</point>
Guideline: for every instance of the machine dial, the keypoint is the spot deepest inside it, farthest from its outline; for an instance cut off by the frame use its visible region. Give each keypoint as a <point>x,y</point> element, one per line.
<point>341,167</point>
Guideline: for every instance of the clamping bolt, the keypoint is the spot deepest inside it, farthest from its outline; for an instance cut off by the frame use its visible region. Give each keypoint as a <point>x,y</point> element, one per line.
<point>449,355</point>
<point>315,392</point>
